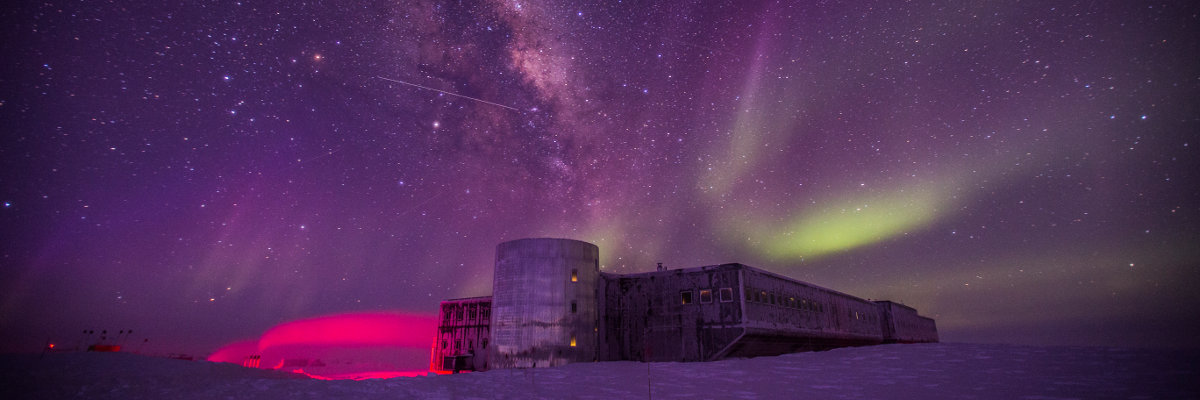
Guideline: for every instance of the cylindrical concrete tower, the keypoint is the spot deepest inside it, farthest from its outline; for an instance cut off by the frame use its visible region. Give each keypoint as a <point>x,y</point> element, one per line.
<point>544,309</point>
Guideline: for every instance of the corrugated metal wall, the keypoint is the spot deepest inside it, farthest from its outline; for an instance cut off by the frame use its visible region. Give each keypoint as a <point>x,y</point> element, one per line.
<point>544,303</point>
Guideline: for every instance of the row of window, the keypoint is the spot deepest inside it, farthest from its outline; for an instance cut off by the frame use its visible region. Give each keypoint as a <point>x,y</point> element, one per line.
<point>458,344</point>
<point>456,313</point>
<point>766,297</point>
<point>706,296</point>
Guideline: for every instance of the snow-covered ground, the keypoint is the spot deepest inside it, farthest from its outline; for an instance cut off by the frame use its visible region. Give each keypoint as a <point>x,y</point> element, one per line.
<point>917,371</point>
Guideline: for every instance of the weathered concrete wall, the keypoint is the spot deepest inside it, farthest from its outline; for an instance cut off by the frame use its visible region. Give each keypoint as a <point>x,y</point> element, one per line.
<point>674,315</point>
<point>784,315</point>
<point>901,324</point>
<point>825,318</point>
<point>646,316</point>
<point>544,309</point>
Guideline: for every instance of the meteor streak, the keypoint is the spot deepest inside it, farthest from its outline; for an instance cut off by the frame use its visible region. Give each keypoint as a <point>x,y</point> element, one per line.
<point>449,93</point>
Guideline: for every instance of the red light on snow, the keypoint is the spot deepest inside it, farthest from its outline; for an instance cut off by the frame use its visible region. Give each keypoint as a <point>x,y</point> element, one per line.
<point>363,329</point>
<point>341,346</point>
<point>235,352</point>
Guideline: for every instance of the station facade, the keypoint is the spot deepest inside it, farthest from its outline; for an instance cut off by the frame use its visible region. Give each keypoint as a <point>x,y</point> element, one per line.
<point>552,306</point>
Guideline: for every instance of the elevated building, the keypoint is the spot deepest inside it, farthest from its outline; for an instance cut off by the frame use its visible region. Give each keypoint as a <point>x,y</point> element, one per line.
<point>551,306</point>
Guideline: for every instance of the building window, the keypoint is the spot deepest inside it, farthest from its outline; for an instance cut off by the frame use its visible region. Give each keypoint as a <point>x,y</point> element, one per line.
<point>483,342</point>
<point>686,296</point>
<point>791,302</point>
<point>726,295</point>
<point>749,295</point>
<point>772,298</point>
<point>762,296</point>
<point>575,275</point>
<point>573,307</point>
<point>705,296</point>
<point>572,341</point>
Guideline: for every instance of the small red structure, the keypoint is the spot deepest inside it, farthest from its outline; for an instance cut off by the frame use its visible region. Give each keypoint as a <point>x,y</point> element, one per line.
<point>104,348</point>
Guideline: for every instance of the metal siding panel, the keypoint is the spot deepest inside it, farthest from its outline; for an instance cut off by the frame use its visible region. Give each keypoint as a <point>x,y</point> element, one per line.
<point>533,324</point>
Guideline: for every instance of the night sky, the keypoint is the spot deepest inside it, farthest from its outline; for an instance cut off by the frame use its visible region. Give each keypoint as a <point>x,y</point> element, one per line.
<point>1023,172</point>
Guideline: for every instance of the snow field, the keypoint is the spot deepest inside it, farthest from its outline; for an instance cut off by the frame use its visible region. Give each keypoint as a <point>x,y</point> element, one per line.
<point>908,371</point>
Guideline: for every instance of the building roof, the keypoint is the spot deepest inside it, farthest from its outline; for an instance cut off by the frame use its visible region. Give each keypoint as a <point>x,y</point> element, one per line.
<point>730,266</point>
<point>462,299</point>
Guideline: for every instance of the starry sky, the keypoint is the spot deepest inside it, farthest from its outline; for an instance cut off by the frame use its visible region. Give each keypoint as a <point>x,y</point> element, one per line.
<point>1022,171</point>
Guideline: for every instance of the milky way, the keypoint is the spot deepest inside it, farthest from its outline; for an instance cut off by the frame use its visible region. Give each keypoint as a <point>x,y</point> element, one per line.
<point>1023,172</point>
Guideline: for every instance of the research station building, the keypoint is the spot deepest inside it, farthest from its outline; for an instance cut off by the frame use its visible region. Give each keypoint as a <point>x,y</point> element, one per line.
<point>552,306</point>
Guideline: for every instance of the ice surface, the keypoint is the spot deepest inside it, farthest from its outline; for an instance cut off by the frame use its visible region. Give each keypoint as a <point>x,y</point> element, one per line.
<point>913,371</point>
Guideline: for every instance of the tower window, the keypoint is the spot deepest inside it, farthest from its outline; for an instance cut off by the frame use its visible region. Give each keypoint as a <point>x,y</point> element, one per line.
<point>686,296</point>
<point>572,341</point>
<point>726,295</point>
<point>573,307</point>
<point>705,296</point>
<point>574,275</point>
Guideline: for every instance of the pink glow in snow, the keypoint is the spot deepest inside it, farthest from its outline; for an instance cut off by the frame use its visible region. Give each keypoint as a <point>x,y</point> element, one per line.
<point>341,346</point>
<point>357,329</point>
